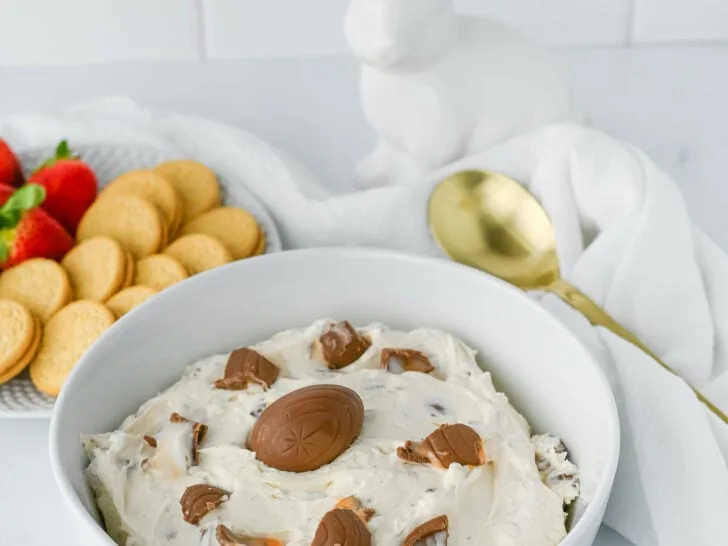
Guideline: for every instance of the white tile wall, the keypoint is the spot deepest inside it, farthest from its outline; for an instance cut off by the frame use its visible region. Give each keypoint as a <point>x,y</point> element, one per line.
<point>266,28</point>
<point>235,28</point>
<point>560,21</point>
<point>677,20</point>
<point>58,32</point>
<point>82,31</point>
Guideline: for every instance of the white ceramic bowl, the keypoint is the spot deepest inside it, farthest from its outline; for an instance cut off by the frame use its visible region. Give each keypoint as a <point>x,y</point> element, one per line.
<point>546,372</point>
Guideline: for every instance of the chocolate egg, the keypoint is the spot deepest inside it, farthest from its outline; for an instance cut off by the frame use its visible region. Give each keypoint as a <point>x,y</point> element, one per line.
<point>433,532</point>
<point>446,445</point>
<point>341,344</point>
<point>200,499</point>
<point>342,528</point>
<point>307,428</point>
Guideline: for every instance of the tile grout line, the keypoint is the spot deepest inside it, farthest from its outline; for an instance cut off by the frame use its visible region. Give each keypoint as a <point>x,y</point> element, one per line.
<point>201,30</point>
<point>663,45</point>
<point>631,19</point>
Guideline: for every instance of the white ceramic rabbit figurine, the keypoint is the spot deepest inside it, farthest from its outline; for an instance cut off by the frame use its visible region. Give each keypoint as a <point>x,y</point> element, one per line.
<point>437,86</point>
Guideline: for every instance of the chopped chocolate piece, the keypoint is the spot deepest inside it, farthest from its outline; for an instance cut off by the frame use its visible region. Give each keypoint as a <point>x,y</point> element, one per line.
<point>200,499</point>
<point>258,410</point>
<point>341,345</point>
<point>246,366</point>
<point>556,471</point>
<point>542,463</point>
<point>150,441</point>
<point>399,361</point>
<point>407,453</point>
<point>431,533</point>
<point>307,428</point>
<point>355,505</point>
<point>199,432</point>
<point>448,444</point>
<point>342,527</point>
<point>554,479</point>
<point>175,417</point>
<point>227,538</point>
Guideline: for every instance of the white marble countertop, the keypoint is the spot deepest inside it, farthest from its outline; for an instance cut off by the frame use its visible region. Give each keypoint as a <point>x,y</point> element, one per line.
<point>670,102</point>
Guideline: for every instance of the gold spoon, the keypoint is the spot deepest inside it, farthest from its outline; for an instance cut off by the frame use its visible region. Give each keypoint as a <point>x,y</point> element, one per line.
<point>490,222</point>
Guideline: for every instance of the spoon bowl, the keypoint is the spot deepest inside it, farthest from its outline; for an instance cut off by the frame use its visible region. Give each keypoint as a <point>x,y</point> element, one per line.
<point>491,222</point>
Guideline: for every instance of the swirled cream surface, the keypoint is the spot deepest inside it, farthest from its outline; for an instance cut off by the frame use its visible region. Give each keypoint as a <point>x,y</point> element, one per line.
<point>508,501</point>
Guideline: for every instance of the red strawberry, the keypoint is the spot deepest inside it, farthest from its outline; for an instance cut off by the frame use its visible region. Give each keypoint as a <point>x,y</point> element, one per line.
<point>70,186</point>
<point>11,172</point>
<point>27,231</point>
<point>5,193</point>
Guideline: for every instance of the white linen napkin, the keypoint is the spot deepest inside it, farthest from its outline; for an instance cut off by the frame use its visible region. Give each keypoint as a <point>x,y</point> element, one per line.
<point>624,237</point>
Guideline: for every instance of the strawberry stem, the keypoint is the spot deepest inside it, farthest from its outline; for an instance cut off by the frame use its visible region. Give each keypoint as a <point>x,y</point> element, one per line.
<point>63,151</point>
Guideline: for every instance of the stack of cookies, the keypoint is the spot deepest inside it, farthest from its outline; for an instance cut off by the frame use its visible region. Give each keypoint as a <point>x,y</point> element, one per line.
<point>147,230</point>
<point>19,338</point>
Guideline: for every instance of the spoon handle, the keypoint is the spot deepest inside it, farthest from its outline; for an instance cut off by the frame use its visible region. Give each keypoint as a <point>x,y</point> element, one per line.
<point>599,317</point>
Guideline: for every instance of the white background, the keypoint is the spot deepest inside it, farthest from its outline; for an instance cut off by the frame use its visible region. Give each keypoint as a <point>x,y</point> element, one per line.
<point>654,72</point>
<point>76,31</point>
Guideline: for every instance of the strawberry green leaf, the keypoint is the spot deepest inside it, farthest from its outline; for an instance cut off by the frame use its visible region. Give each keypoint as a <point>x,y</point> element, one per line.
<point>26,198</point>
<point>63,151</point>
<point>9,220</point>
<point>4,251</point>
<point>45,164</point>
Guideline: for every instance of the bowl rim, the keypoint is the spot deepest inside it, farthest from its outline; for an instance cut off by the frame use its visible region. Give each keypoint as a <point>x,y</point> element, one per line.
<point>578,532</point>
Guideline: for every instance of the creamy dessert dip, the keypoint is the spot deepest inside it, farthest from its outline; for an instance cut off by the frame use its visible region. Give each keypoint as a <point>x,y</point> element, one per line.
<point>331,435</point>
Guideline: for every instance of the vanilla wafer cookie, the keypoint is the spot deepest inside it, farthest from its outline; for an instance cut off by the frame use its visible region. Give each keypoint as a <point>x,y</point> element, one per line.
<point>262,245</point>
<point>17,329</point>
<point>177,221</point>
<point>66,337</point>
<point>129,270</point>
<point>96,268</point>
<point>236,228</point>
<point>195,183</point>
<point>152,187</point>
<point>159,271</point>
<point>199,252</point>
<point>27,357</point>
<point>40,284</point>
<point>128,299</point>
<point>134,223</point>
